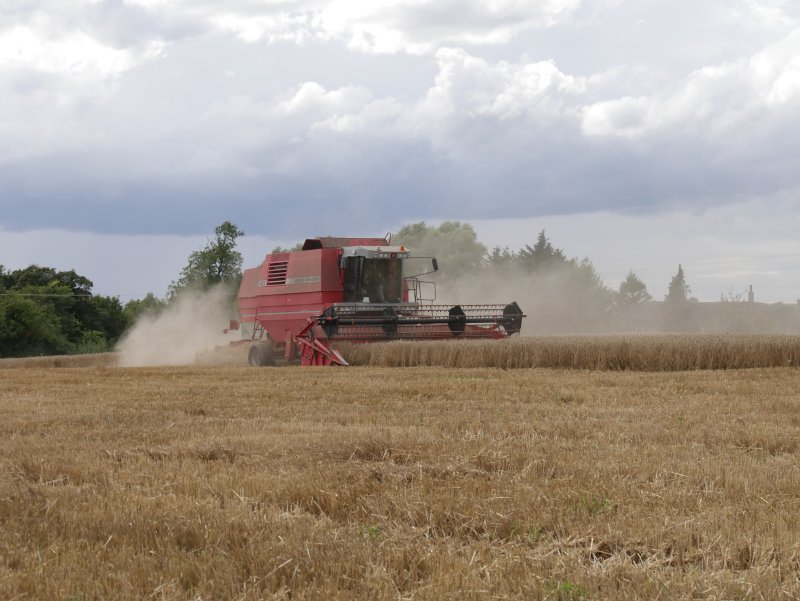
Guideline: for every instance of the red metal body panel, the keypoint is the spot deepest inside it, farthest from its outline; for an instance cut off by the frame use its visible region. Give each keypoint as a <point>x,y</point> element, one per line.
<point>312,283</point>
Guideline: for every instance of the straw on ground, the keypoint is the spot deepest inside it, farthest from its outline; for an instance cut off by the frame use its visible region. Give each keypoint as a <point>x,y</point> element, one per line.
<point>422,483</point>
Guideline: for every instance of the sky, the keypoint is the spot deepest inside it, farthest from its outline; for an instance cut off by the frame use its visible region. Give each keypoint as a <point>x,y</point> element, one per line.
<point>639,133</point>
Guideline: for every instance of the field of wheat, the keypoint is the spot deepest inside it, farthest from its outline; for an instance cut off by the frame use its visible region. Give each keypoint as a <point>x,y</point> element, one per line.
<point>420,483</point>
<point>602,352</point>
<point>607,352</point>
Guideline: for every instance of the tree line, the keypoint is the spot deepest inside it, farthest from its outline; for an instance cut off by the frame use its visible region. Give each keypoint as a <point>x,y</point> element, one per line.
<point>456,245</point>
<point>49,312</point>
<point>44,311</point>
<point>559,293</point>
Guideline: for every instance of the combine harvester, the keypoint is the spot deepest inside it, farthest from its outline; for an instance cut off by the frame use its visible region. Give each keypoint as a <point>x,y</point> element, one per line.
<point>356,290</point>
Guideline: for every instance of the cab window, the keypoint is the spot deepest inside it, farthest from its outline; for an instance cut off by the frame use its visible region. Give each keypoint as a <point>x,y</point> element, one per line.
<point>377,280</point>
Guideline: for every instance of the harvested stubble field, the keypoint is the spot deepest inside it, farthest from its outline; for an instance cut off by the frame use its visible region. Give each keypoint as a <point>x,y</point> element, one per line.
<point>88,360</point>
<point>422,483</point>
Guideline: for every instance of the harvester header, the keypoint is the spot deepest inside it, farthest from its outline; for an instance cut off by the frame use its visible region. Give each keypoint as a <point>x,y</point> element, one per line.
<point>355,289</point>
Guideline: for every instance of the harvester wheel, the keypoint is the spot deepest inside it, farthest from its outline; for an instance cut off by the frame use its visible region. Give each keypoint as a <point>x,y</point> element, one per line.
<point>261,354</point>
<point>512,318</point>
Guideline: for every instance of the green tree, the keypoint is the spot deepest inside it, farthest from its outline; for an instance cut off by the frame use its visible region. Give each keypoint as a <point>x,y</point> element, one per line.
<point>503,258</point>
<point>106,317</point>
<point>564,294</point>
<point>679,290</point>
<point>75,320</point>
<point>29,327</point>
<point>633,290</point>
<point>585,273</point>
<point>678,314</point>
<point>149,305</point>
<point>281,249</point>
<point>454,244</point>
<point>542,255</point>
<point>38,276</point>
<point>218,262</point>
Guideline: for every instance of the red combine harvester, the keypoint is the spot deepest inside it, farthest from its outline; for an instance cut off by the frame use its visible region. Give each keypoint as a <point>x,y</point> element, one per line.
<point>353,289</point>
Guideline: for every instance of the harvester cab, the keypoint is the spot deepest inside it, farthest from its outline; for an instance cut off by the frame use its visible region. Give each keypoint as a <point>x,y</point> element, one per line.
<point>354,289</point>
<point>373,274</point>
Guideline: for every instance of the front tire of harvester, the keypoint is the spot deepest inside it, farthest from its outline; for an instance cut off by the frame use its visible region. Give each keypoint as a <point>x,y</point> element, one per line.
<point>254,356</point>
<point>261,354</point>
<point>267,353</point>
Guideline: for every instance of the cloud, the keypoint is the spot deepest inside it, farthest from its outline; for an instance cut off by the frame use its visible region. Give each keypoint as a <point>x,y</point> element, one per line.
<point>521,132</point>
<point>76,54</point>
<point>412,26</point>
<point>626,117</point>
<point>718,99</point>
<point>312,97</point>
<point>293,117</point>
<point>768,12</point>
<point>474,87</point>
<point>84,40</point>
<point>420,27</point>
<point>200,111</point>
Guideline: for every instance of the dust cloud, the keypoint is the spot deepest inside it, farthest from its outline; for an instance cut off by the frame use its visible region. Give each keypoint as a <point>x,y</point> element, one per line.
<point>559,302</point>
<point>187,328</point>
<point>554,301</point>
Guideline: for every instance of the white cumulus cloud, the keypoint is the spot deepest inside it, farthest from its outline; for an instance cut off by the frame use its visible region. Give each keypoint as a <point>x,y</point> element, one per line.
<point>718,98</point>
<point>392,26</point>
<point>72,53</point>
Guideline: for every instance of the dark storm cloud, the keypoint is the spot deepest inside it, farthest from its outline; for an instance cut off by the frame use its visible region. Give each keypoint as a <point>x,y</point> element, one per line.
<point>381,182</point>
<point>383,190</point>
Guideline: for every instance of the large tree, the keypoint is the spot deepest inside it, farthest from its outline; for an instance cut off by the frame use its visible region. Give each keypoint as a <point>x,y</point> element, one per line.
<point>217,262</point>
<point>45,311</point>
<point>29,327</point>
<point>501,258</point>
<point>633,290</point>
<point>542,255</point>
<point>454,244</point>
<point>678,314</point>
<point>561,294</point>
<point>281,249</point>
<point>679,290</point>
<point>149,305</point>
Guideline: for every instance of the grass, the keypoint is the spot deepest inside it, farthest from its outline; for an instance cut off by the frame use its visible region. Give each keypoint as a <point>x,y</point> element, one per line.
<point>423,483</point>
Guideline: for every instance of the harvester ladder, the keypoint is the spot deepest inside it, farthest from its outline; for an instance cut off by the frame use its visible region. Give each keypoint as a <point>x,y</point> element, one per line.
<point>258,327</point>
